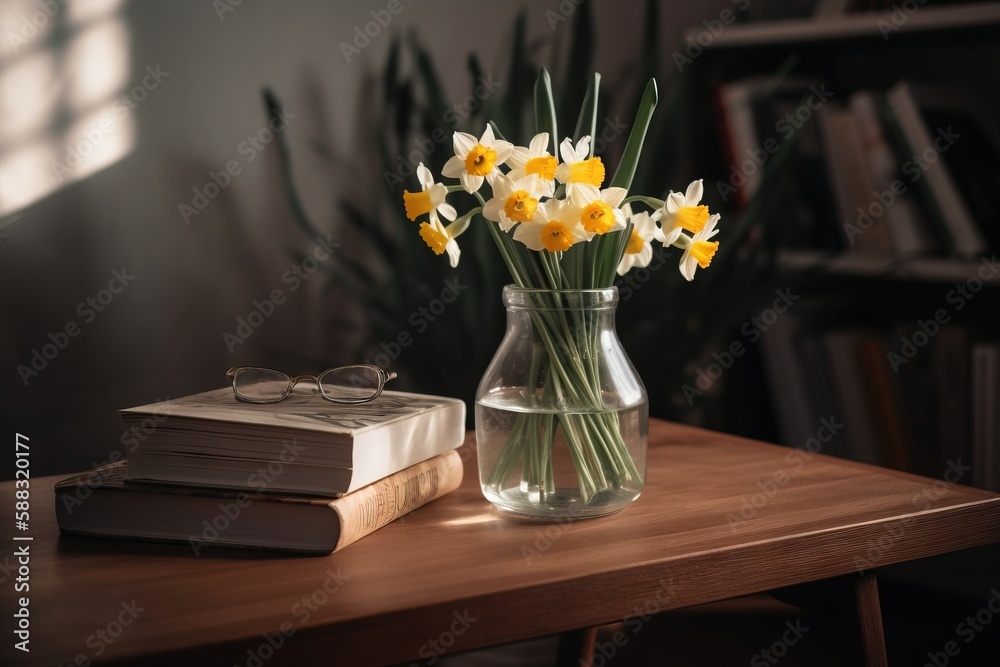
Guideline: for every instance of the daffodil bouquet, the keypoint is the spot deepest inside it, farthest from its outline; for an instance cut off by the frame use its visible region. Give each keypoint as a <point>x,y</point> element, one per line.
<point>558,228</point>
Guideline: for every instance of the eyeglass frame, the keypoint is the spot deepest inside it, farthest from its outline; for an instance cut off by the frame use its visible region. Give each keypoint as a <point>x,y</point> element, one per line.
<point>383,376</point>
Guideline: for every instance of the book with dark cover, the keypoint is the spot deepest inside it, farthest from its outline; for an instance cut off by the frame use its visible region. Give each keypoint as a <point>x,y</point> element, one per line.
<point>931,145</point>
<point>104,503</point>
<point>760,120</point>
<point>302,445</point>
<point>891,204</point>
<point>985,389</point>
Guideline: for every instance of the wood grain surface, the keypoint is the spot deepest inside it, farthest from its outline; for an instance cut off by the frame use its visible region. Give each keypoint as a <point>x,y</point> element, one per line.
<point>457,574</point>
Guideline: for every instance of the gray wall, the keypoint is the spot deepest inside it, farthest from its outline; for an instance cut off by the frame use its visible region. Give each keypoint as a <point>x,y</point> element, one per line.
<point>162,335</point>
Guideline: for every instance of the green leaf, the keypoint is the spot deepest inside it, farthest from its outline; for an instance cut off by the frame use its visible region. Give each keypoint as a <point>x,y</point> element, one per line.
<point>368,225</point>
<point>273,108</point>
<point>518,83</point>
<point>630,158</point>
<point>436,105</point>
<point>545,109</point>
<point>324,152</point>
<point>586,124</point>
<point>620,242</point>
<point>391,74</point>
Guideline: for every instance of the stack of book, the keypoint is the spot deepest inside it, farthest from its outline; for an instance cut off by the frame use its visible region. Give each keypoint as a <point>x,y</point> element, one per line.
<point>303,475</point>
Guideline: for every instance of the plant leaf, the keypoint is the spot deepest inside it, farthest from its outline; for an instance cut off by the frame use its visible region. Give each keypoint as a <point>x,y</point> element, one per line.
<point>272,107</point>
<point>435,91</point>
<point>545,109</point>
<point>391,74</point>
<point>586,124</point>
<point>626,168</point>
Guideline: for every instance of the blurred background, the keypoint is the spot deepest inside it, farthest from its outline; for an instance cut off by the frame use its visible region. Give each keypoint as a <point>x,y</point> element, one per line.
<point>191,186</point>
<point>119,122</point>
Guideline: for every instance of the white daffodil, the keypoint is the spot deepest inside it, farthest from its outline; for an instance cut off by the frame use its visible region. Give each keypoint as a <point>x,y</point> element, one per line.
<point>577,167</point>
<point>599,212</point>
<point>639,251</point>
<point>535,159</point>
<point>512,201</point>
<point>441,239</point>
<point>555,227</point>
<point>430,199</point>
<point>698,250</point>
<point>683,212</point>
<point>477,160</point>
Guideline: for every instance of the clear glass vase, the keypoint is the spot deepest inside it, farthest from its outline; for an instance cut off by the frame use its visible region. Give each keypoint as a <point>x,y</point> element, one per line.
<point>562,418</point>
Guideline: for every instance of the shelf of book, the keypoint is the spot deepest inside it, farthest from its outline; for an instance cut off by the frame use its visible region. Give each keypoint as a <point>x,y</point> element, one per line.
<point>861,25</point>
<point>865,159</point>
<point>888,267</point>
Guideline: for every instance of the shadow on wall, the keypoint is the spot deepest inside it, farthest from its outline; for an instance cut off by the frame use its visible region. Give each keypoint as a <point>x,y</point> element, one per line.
<point>117,115</point>
<point>65,96</point>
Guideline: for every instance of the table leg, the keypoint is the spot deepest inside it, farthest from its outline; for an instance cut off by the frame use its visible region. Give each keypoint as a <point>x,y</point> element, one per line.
<point>868,615</point>
<point>576,648</point>
<point>853,598</point>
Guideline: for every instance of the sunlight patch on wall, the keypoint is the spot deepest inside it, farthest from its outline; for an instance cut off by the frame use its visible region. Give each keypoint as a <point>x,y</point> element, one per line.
<point>63,66</point>
<point>25,176</point>
<point>29,96</point>
<point>95,68</point>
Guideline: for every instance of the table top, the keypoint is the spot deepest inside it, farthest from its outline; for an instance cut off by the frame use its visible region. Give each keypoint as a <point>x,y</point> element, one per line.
<point>720,517</point>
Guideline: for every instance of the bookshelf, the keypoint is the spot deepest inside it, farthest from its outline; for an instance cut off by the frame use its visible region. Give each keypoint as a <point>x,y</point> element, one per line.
<point>914,269</point>
<point>867,25</point>
<point>925,254</point>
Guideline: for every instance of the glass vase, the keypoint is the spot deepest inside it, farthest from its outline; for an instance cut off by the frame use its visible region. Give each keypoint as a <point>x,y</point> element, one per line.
<point>562,418</point>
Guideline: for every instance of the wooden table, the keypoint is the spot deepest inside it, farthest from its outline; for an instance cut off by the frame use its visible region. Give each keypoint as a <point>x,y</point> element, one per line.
<point>457,575</point>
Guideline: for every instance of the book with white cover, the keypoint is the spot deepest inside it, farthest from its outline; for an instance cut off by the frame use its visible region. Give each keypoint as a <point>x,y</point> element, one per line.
<point>302,445</point>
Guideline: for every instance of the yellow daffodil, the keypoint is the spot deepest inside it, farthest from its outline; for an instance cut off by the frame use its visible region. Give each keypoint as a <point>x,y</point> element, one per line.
<point>441,239</point>
<point>534,159</point>
<point>554,228</point>
<point>698,249</point>
<point>513,201</point>
<point>599,212</point>
<point>683,211</point>
<point>477,160</point>
<point>430,199</point>
<point>577,168</point>
<point>639,251</point>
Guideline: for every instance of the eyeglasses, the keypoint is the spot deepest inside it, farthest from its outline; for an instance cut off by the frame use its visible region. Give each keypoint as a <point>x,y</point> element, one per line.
<point>347,384</point>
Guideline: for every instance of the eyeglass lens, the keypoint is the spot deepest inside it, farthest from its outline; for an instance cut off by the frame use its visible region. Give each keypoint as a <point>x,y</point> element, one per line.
<point>351,383</point>
<point>261,384</point>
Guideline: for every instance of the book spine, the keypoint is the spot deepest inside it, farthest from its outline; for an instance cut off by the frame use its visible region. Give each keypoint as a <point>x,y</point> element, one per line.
<point>371,507</point>
<point>968,242</point>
